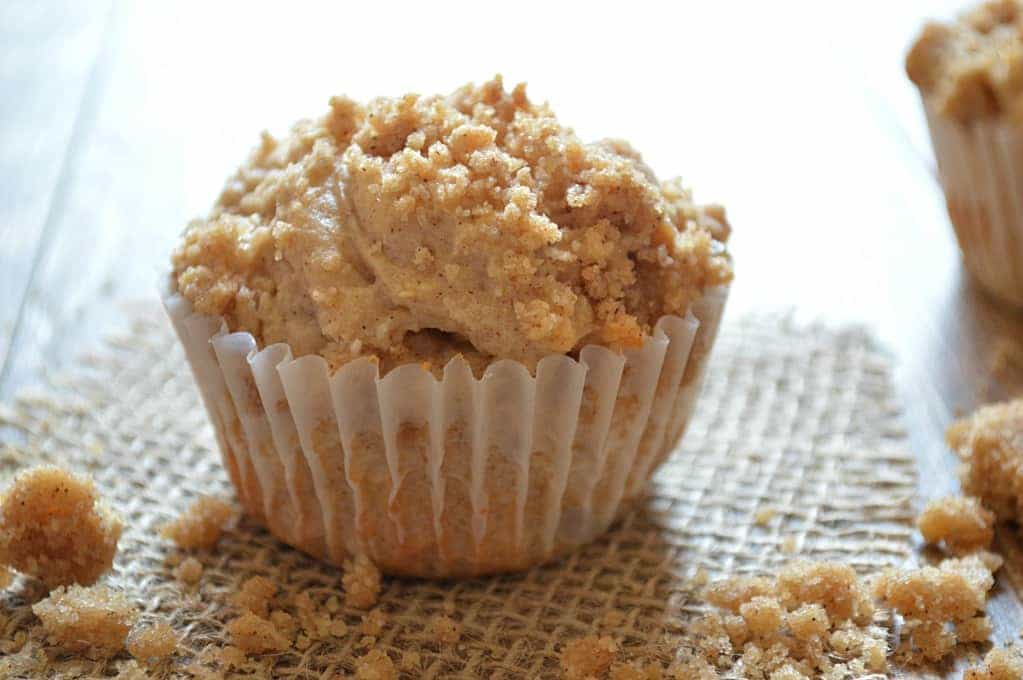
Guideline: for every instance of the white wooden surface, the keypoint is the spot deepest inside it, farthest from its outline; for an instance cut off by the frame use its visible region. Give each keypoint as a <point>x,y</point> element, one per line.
<point>118,122</point>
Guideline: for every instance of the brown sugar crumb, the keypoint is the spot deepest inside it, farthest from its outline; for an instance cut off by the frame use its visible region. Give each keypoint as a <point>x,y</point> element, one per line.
<point>444,630</point>
<point>255,595</point>
<point>990,442</point>
<point>230,657</point>
<point>361,582</point>
<point>200,526</point>
<point>92,621</point>
<point>692,668</point>
<point>999,664</point>
<point>763,516</point>
<point>833,586</point>
<point>189,571</point>
<point>731,593</point>
<point>807,622</point>
<point>960,522</point>
<point>54,526</point>
<point>410,661</point>
<point>373,623</point>
<point>588,656</point>
<point>636,671</point>
<point>789,545</point>
<point>154,642</point>
<point>254,635</point>
<point>977,629</point>
<point>376,665</point>
<point>763,616</point>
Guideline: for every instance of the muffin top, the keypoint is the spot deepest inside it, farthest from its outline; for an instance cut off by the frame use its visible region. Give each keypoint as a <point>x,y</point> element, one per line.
<point>418,228</point>
<point>973,68</point>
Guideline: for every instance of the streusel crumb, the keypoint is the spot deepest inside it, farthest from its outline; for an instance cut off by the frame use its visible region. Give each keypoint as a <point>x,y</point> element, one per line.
<point>999,664</point>
<point>410,661</point>
<point>376,665</point>
<point>373,623</point>
<point>255,595</point>
<point>588,656</point>
<point>960,522</point>
<point>200,526</point>
<point>254,635</point>
<point>91,621</point>
<point>361,582</point>
<point>152,643</point>
<point>990,442</point>
<point>444,630</point>
<point>189,571</point>
<point>54,526</point>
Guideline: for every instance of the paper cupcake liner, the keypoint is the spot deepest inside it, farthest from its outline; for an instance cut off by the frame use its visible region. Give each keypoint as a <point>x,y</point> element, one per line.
<point>981,171</point>
<point>456,476</point>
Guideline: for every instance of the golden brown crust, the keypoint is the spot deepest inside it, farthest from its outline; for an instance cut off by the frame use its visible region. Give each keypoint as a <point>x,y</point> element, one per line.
<point>417,228</point>
<point>54,526</point>
<point>972,69</point>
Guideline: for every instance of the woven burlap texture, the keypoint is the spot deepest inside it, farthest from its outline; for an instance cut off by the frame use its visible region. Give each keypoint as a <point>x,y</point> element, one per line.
<point>797,419</point>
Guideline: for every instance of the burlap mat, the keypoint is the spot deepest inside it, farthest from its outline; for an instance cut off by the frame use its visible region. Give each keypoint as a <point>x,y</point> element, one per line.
<point>799,420</point>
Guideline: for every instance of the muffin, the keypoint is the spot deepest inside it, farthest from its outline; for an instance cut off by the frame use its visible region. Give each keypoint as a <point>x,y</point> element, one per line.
<point>444,333</point>
<point>970,76</point>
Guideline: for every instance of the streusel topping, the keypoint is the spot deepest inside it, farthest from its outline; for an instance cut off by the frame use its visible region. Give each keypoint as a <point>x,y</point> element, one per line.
<point>417,228</point>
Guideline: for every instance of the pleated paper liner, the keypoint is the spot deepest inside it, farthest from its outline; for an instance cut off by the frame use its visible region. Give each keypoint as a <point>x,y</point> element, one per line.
<point>981,169</point>
<point>452,477</point>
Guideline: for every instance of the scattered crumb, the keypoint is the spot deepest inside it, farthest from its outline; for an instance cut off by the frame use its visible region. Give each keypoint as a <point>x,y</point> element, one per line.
<point>731,593</point>
<point>831,585</point>
<point>361,582</point>
<point>636,671</point>
<point>764,515</point>
<point>808,622</point>
<point>953,591</point>
<point>92,621</point>
<point>285,623</point>
<point>444,630</point>
<point>189,571</point>
<point>587,656</point>
<point>254,635</point>
<point>130,670</point>
<point>255,595</point>
<point>977,629</point>
<point>154,642</point>
<point>999,664</point>
<point>231,657</point>
<point>991,445</point>
<point>54,526</point>
<point>762,615</point>
<point>960,522</point>
<point>789,545</point>
<point>200,526</point>
<point>373,623</point>
<point>376,665</point>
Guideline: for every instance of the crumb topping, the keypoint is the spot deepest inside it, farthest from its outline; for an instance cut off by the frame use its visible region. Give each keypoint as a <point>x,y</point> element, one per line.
<point>54,526</point>
<point>972,69</point>
<point>417,228</point>
<point>200,526</point>
<point>990,442</point>
<point>961,523</point>
<point>999,664</point>
<point>152,643</point>
<point>361,581</point>
<point>90,621</point>
<point>588,656</point>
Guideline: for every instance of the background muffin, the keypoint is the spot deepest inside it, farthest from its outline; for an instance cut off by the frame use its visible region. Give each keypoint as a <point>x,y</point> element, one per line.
<point>419,230</point>
<point>970,75</point>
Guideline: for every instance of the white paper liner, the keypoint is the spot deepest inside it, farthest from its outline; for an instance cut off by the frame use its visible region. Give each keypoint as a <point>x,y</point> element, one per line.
<point>451,477</point>
<point>981,170</point>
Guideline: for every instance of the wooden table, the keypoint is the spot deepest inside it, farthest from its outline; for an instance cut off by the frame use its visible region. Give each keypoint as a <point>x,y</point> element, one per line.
<point>119,122</point>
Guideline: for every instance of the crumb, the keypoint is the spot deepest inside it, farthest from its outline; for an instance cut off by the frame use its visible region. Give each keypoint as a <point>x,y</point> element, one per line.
<point>787,672</point>
<point>410,661</point>
<point>763,616</point>
<point>933,640</point>
<point>130,670</point>
<point>960,522</point>
<point>977,629</point>
<point>231,657</point>
<point>254,635</point>
<point>285,623</point>
<point>92,621</point>
<point>692,668</point>
<point>731,593</point>
<point>587,656</point>
<point>303,642</point>
<point>444,630</point>
<point>373,622</point>
<point>999,664</point>
<point>361,582</point>
<point>789,545</point>
<point>930,594</point>
<point>255,595</point>
<point>189,571</point>
<point>157,641</point>
<point>809,621</point>
<point>333,604</point>
<point>833,586</point>
<point>699,579</point>
<point>991,446</point>
<point>200,526</point>
<point>54,526</point>
<point>764,515</point>
<point>376,665</point>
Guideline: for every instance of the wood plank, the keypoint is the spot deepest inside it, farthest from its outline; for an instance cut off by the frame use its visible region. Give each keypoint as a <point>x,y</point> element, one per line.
<point>47,65</point>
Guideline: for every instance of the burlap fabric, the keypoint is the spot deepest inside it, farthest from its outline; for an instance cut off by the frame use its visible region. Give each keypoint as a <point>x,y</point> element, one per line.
<point>799,420</point>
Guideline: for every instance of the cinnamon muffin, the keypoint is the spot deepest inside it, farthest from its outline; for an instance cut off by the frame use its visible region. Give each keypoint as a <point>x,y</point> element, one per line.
<point>447,333</point>
<point>970,75</point>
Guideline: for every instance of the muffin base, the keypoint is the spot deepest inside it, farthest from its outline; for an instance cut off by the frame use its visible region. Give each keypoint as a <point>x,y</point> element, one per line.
<point>454,477</point>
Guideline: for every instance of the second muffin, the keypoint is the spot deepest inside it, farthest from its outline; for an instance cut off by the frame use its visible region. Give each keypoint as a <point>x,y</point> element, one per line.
<point>539,309</point>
